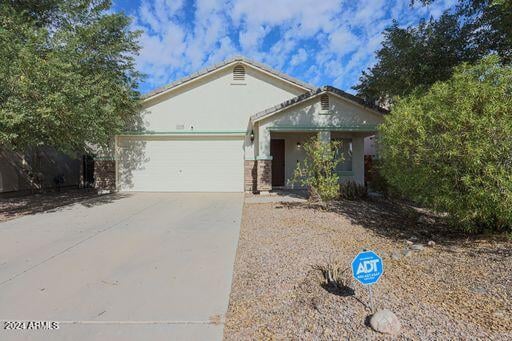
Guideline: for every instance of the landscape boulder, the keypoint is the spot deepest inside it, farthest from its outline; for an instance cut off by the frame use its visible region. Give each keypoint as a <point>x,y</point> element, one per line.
<point>384,321</point>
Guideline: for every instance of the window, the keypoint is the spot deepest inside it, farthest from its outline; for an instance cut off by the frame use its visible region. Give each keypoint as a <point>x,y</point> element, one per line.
<point>324,102</point>
<point>239,73</point>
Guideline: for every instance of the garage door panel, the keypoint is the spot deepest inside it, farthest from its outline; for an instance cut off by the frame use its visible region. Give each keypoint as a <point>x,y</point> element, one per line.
<point>181,165</point>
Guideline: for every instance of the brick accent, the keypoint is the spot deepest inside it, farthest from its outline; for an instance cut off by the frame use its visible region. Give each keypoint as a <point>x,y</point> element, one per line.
<point>105,175</point>
<point>250,175</point>
<point>264,175</point>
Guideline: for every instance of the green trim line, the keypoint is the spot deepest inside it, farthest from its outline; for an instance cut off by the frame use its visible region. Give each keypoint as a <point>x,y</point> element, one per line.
<point>184,132</point>
<point>345,173</point>
<point>326,112</point>
<point>264,158</point>
<point>360,127</point>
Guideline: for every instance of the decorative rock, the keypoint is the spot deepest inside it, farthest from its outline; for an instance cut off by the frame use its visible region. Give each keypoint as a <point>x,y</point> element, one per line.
<point>384,321</point>
<point>431,243</point>
<point>413,238</point>
<point>479,290</point>
<point>499,313</point>
<point>417,247</point>
<point>408,242</point>
<point>406,252</point>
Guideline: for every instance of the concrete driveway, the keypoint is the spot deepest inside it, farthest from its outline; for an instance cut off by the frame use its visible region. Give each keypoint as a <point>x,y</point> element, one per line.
<point>145,266</point>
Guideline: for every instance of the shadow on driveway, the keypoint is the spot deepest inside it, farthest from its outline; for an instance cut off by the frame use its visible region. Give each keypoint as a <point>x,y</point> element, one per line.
<point>14,207</point>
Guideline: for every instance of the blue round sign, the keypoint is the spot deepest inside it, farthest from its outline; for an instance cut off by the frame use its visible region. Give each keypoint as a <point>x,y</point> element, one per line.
<point>367,267</point>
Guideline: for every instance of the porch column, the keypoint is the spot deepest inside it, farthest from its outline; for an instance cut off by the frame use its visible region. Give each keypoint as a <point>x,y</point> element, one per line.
<point>358,159</point>
<point>264,162</point>
<point>324,136</point>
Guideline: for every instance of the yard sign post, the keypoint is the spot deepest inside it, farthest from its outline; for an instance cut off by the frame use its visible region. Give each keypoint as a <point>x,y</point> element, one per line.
<point>367,268</point>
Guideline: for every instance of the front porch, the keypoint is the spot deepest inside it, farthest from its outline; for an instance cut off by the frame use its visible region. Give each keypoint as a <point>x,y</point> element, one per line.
<point>276,135</point>
<point>285,151</point>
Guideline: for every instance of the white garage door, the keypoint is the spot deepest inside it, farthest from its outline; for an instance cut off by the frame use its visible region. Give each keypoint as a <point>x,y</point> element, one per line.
<point>181,164</point>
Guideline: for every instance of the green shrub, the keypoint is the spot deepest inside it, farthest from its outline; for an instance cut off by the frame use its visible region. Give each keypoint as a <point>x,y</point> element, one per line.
<point>318,170</point>
<point>351,190</point>
<point>376,182</point>
<point>451,148</point>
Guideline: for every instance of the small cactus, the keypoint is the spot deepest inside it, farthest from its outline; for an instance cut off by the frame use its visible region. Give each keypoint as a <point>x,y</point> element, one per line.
<point>331,273</point>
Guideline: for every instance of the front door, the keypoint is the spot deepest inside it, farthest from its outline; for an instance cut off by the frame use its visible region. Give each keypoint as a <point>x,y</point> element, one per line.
<point>277,152</point>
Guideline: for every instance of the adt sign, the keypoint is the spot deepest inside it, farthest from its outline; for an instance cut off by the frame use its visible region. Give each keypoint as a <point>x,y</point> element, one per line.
<point>367,267</point>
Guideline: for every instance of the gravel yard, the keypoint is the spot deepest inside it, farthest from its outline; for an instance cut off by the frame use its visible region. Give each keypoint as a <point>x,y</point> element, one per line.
<point>459,288</point>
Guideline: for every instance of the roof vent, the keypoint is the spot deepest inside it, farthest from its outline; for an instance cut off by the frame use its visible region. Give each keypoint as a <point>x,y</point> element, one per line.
<point>239,73</point>
<point>324,102</point>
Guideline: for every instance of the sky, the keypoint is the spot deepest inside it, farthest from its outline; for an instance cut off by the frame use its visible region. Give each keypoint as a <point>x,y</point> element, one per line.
<point>322,42</point>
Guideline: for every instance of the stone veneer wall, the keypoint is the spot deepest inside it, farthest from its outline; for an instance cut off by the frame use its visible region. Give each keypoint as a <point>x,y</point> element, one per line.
<point>105,175</point>
<point>264,175</point>
<point>250,175</point>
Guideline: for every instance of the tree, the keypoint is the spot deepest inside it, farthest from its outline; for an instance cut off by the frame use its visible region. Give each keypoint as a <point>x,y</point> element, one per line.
<point>450,148</point>
<point>415,57</point>
<point>67,74</point>
<point>318,170</point>
<point>490,22</point>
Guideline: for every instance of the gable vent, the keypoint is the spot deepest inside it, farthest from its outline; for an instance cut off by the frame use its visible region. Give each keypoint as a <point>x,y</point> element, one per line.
<point>239,73</point>
<point>324,102</point>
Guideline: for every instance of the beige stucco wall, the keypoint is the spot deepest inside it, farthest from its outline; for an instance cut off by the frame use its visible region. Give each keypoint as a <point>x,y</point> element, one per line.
<point>370,145</point>
<point>217,103</point>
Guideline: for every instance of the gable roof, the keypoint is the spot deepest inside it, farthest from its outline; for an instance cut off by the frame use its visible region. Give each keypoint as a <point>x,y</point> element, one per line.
<point>238,59</point>
<point>315,93</point>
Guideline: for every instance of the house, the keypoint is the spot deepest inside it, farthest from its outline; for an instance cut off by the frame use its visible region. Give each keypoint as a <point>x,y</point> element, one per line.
<point>237,126</point>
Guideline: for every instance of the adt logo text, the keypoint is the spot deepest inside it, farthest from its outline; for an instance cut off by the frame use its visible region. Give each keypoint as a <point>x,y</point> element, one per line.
<point>367,267</point>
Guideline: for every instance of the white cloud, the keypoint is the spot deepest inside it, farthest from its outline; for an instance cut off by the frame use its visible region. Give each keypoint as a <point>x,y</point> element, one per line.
<point>332,40</point>
<point>300,57</point>
<point>343,41</point>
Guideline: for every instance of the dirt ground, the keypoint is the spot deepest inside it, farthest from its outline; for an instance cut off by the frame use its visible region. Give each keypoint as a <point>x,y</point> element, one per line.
<point>459,288</point>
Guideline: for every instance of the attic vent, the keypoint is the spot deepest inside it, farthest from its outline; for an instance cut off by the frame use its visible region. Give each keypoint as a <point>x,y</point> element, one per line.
<point>324,102</point>
<point>239,73</point>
